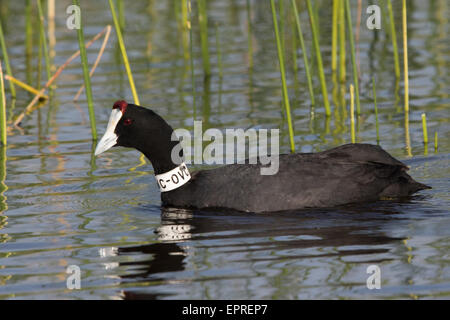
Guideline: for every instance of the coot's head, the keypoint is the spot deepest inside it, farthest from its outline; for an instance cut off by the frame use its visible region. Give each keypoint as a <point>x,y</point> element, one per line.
<point>137,127</point>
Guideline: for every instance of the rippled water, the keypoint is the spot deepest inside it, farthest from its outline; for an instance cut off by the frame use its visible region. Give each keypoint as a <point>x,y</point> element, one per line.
<point>61,206</point>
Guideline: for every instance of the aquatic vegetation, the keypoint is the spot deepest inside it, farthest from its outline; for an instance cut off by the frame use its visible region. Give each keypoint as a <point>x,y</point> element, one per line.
<point>283,76</point>
<point>424,128</point>
<point>97,60</point>
<point>36,98</point>
<point>376,110</point>
<point>6,59</point>
<point>43,39</point>
<point>203,24</point>
<point>124,52</point>
<point>87,79</point>
<point>352,112</point>
<point>315,36</point>
<point>3,133</point>
<point>405,56</point>
<point>353,55</point>
<point>341,21</point>
<point>394,39</point>
<point>25,86</point>
<point>303,47</point>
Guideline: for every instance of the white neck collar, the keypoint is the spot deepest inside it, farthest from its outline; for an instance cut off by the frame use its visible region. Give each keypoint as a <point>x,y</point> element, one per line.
<point>174,178</point>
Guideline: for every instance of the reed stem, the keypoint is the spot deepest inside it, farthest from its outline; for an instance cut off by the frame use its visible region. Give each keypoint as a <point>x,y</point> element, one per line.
<point>203,23</point>
<point>342,64</point>
<point>376,110</point>
<point>39,67</point>
<point>97,60</point>
<point>28,40</point>
<point>24,85</point>
<point>219,53</point>
<point>43,39</point>
<point>394,39</point>
<point>3,133</point>
<point>191,50</point>
<point>29,107</point>
<point>185,28</point>
<point>51,33</point>
<point>334,31</point>
<point>405,56</point>
<point>424,128</point>
<point>305,57</point>
<point>6,59</point>
<point>352,54</point>
<point>124,52</point>
<point>283,76</point>
<point>87,79</point>
<point>407,135</point>
<point>352,113</point>
<point>435,141</point>
<point>249,32</point>
<point>121,14</point>
<point>281,15</point>
<point>319,58</point>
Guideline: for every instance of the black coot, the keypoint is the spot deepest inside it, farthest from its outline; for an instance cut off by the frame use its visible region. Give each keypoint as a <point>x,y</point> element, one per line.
<point>347,174</point>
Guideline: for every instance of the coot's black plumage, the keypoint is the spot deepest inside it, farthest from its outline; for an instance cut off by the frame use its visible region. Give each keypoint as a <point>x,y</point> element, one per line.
<point>347,174</point>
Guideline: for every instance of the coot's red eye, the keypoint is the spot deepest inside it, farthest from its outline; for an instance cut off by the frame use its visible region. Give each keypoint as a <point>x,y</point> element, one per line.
<point>127,121</point>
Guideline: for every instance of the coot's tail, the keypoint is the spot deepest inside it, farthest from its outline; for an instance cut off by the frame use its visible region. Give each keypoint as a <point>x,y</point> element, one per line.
<point>402,186</point>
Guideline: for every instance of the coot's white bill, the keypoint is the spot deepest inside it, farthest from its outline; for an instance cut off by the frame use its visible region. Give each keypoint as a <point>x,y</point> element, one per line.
<point>109,139</point>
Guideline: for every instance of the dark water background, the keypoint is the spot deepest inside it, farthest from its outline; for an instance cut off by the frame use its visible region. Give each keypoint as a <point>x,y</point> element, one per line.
<point>62,207</point>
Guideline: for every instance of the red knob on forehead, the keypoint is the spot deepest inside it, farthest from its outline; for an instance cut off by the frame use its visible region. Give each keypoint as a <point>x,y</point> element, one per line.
<point>121,105</point>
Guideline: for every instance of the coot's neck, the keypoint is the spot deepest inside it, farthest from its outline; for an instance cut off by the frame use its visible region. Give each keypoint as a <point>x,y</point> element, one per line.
<point>158,149</point>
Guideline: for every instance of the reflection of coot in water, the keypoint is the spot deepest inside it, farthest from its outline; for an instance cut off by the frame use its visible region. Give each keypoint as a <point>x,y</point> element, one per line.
<point>300,237</point>
<point>350,173</point>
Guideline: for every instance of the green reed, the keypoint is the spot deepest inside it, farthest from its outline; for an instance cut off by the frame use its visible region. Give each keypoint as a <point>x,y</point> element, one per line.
<point>191,50</point>
<point>376,110</point>
<point>435,141</point>
<point>334,31</point>
<point>283,76</point>
<point>6,59</point>
<point>249,32</point>
<point>408,148</point>
<point>124,52</point>
<point>394,39</point>
<point>39,67</point>
<point>424,128</point>
<point>342,43</point>
<point>219,52</point>
<point>303,47</point>
<point>3,186</point>
<point>3,133</point>
<point>294,49</point>
<point>353,55</point>
<point>185,28</point>
<point>281,19</point>
<point>405,56</point>
<point>352,112</point>
<point>43,38</point>
<point>87,79</point>
<point>25,86</point>
<point>319,58</point>
<point>28,40</point>
<point>121,14</point>
<point>203,24</point>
